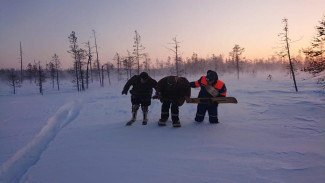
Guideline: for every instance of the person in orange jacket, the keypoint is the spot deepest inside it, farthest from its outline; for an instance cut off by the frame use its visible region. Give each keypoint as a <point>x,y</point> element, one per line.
<point>210,80</point>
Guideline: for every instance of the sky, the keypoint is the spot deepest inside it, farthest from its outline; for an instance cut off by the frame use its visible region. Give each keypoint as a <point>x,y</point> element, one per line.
<point>204,27</point>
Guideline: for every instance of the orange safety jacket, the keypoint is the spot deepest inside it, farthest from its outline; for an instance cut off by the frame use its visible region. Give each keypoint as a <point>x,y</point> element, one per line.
<point>219,86</point>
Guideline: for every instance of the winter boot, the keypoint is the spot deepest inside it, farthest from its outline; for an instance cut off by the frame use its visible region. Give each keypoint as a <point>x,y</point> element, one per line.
<point>134,114</point>
<point>214,121</point>
<point>145,115</point>
<point>162,122</point>
<point>176,124</point>
<point>175,117</point>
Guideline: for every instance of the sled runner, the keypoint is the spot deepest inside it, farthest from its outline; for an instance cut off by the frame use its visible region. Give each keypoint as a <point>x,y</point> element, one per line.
<point>218,100</point>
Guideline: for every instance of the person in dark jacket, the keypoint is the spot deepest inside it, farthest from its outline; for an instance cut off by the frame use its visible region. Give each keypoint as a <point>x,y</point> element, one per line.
<point>140,94</point>
<point>172,92</point>
<point>205,82</point>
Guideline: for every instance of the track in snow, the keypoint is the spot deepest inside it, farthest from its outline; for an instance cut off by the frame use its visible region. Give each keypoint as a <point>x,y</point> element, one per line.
<point>13,169</point>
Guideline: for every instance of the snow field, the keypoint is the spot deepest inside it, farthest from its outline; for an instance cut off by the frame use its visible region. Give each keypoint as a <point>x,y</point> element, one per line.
<point>272,135</point>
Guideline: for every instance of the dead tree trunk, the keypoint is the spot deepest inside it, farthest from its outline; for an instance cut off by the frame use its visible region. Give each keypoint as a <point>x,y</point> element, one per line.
<point>89,65</point>
<point>236,52</point>
<point>57,78</point>
<point>52,73</point>
<point>13,80</point>
<point>137,49</point>
<point>77,75</point>
<point>57,67</point>
<point>285,21</point>
<point>21,64</point>
<point>81,56</point>
<point>118,59</point>
<point>108,67</point>
<point>102,84</point>
<point>146,63</point>
<point>97,61</point>
<point>41,78</point>
<point>175,50</point>
<point>74,51</point>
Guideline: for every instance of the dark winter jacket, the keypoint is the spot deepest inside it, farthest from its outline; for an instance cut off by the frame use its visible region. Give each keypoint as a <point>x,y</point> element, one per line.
<point>173,88</point>
<point>202,82</point>
<point>142,90</point>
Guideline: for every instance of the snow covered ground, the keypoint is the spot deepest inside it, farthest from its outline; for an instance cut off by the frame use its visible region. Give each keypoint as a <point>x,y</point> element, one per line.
<point>272,135</point>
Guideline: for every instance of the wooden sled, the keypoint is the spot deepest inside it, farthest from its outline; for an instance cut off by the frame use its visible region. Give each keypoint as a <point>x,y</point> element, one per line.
<point>219,100</point>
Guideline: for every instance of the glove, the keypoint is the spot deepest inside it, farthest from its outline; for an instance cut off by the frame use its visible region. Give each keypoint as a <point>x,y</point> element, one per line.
<point>158,94</point>
<point>124,92</point>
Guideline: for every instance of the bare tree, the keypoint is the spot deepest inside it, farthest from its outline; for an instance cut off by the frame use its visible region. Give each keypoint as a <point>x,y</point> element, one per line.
<point>102,76</point>
<point>57,65</point>
<point>13,80</point>
<point>175,49</point>
<point>30,72</point>
<point>74,51</point>
<point>217,61</point>
<point>168,62</point>
<point>41,78</point>
<point>21,63</point>
<point>117,58</point>
<point>52,73</point>
<point>137,50</point>
<point>128,63</point>
<point>81,56</point>
<point>78,55</point>
<point>236,52</point>
<point>196,64</point>
<point>285,39</point>
<point>146,63</point>
<point>89,65</point>
<point>35,72</point>
<point>97,60</point>
<point>109,66</point>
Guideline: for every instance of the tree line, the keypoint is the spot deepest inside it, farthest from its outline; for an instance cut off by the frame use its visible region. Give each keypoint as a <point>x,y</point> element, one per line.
<point>83,73</point>
<point>88,68</point>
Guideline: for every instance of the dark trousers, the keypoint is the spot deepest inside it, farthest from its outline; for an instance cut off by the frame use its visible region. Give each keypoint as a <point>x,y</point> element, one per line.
<point>212,111</point>
<point>165,111</point>
<point>144,101</point>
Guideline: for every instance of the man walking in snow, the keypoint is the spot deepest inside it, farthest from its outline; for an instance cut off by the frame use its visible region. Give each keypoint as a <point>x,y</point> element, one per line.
<point>140,95</point>
<point>211,86</point>
<point>172,91</point>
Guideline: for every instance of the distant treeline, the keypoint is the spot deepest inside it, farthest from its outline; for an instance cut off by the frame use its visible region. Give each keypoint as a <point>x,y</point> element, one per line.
<point>38,74</point>
<point>86,67</point>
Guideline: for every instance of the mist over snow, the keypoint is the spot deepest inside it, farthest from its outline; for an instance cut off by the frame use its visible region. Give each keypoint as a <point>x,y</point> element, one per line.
<point>272,135</point>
